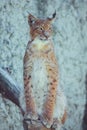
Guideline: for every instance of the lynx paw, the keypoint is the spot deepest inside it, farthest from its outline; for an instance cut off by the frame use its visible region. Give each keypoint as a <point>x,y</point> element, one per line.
<point>46,121</point>
<point>30,116</point>
<point>56,124</point>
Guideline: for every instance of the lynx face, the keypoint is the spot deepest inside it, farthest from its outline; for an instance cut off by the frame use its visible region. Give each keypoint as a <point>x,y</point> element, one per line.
<point>40,28</point>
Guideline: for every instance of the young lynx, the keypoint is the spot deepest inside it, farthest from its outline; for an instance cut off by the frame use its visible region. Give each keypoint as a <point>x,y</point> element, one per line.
<point>44,99</point>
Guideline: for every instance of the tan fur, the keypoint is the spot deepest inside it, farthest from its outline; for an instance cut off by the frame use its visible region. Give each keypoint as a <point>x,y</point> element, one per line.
<point>41,90</point>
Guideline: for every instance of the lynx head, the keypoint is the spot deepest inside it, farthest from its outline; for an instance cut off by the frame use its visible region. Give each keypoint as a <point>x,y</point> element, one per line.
<point>40,28</point>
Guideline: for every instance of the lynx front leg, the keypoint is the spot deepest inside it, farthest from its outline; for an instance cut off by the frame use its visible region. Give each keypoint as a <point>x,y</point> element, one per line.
<point>47,117</point>
<point>57,123</point>
<point>30,104</point>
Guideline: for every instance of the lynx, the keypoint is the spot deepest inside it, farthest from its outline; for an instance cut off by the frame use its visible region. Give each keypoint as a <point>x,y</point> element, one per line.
<point>45,100</point>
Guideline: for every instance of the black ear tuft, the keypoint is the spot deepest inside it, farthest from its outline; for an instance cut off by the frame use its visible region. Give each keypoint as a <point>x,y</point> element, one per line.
<point>31,19</point>
<point>54,14</point>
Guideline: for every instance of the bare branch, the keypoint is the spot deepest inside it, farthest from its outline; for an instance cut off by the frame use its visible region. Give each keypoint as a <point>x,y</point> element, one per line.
<point>8,88</point>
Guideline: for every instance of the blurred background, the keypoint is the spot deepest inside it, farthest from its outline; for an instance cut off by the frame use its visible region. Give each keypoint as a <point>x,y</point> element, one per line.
<point>70,43</point>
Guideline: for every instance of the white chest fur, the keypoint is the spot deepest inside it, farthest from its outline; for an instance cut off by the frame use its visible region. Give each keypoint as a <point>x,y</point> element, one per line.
<point>39,44</point>
<point>39,82</point>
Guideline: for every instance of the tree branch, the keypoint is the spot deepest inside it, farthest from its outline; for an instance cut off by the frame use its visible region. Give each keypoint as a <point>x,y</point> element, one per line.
<point>8,88</point>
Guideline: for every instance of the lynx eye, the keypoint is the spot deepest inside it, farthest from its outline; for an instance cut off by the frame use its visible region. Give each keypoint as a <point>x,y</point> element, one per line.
<point>41,28</point>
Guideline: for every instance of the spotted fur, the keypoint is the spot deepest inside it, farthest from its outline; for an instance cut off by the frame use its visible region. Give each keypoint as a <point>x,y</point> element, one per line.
<point>44,98</point>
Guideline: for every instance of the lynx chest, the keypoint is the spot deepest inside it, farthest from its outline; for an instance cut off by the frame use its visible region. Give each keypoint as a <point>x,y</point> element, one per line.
<point>39,75</point>
<point>39,83</point>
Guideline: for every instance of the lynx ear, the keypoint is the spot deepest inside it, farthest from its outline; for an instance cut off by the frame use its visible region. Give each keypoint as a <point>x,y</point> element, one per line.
<point>53,17</point>
<point>31,19</point>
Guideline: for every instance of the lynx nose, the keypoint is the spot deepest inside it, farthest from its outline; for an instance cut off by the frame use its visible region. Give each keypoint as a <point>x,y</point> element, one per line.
<point>46,34</point>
